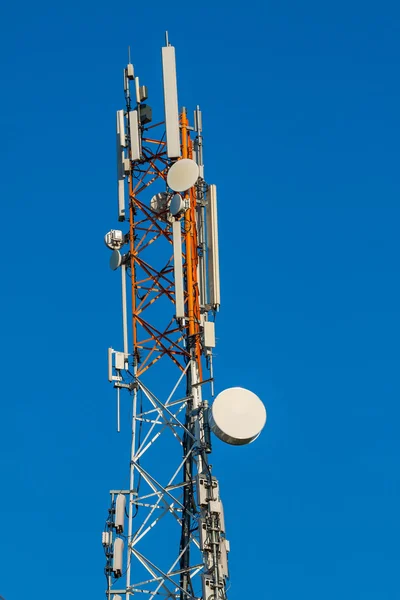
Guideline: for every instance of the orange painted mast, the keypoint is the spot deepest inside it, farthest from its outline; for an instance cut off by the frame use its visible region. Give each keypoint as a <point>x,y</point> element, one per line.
<point>191,264</point>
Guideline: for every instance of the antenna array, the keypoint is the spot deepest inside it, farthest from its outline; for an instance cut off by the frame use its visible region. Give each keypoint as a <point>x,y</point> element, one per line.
<point>165,533</point>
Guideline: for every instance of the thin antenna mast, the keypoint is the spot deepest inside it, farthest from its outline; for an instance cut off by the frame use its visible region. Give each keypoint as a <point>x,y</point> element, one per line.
<point>172,541</point>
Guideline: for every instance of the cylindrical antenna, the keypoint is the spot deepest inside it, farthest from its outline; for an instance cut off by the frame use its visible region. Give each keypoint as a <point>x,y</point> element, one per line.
<point>118,411</point>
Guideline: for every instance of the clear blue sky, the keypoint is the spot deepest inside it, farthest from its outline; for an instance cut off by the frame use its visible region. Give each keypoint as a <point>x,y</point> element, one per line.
<point>302,126</point>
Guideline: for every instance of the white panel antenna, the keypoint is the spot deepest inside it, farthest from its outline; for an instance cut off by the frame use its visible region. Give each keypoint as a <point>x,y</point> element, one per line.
<point>222,519</point>
<point>224,559</point>
<point>171,102</point>
<point>121,200</point>
<point>144,93</point>
<point>134,135</point>
<point>121,128</point>
<point>178,271</point>
<point>137,90</point>
<point>120,513</point>
<point>209,334</point>
<point>212,247</point>
<point>120,164</point>
<point>117,557</point>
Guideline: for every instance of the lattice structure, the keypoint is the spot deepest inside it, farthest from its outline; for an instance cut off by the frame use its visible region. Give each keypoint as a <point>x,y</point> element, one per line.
<point>165,533</point>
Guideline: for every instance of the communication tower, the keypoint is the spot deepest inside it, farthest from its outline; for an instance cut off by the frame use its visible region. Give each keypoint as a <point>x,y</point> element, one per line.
<point>165,533</point>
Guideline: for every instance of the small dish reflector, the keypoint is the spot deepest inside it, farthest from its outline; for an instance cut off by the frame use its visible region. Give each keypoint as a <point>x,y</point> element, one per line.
<point>115,260</point>
<point>159,202</point>
<point>183,175</point>
<point>176,205</point>
<point>237,416</point>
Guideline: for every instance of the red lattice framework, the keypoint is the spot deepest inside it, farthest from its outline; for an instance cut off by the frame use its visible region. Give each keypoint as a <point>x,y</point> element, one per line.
<point>152,273</point>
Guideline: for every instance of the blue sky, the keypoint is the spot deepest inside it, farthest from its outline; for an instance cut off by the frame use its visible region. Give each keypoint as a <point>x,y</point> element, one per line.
<point>301,120</point>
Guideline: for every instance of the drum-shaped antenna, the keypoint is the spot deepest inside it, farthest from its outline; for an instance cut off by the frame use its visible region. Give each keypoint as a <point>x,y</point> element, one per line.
<point>176,205</point>
<point>237,416</point>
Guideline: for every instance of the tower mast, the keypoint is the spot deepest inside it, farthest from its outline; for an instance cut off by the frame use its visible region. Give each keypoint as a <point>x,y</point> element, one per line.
<point>165,534</point>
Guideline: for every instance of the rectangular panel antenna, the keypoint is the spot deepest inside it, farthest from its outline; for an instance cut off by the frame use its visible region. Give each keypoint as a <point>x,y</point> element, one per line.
<point>209,334</point>
<point>120,167</point>
<point>134,133</point>
<point>120,151</point>
<point>121,127</point>
<point>129,71</point>
<point>121,200</point>
<point>117,557</point>
<point>212,248</point>
<point>224,559</point>
<point>171,102</point>
<point>110,365</point>
<point>120,513</point>
<point>137,89</point>
<point>178,271</point>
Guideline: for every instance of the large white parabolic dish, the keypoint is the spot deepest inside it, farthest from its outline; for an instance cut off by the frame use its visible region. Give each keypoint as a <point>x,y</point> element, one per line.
<point>237,416</point>
<point>183,175</point>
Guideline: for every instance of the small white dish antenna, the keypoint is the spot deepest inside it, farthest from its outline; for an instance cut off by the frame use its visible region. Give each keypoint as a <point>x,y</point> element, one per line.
<point>115,260</point>
<point>237,416</point>
<point>183,175</point>
<point>159,202</point>
<point>177,205</point>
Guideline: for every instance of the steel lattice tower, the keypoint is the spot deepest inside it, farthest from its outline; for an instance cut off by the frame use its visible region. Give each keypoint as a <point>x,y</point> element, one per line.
<point>165,533</point>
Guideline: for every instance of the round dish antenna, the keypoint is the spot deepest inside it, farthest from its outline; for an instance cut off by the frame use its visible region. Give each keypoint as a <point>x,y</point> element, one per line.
<point>159,202</point>
<point>177,205</point>
<point>183,175</point>
<point>115,260</point>
<point>237,416</point>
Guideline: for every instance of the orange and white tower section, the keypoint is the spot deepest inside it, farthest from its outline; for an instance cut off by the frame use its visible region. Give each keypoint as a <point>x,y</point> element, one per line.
<point>165,534</point>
